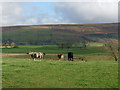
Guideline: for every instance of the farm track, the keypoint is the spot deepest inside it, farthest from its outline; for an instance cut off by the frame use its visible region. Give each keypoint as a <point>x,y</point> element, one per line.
<point>15,54</point>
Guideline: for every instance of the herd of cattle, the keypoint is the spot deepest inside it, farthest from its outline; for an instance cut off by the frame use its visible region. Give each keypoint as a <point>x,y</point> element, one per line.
<point>40,55</point>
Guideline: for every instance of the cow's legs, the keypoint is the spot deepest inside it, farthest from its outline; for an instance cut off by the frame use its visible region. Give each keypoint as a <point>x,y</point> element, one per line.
<point>40,58</point>
<point>69,59</point>
<point>33,59</point>
<point>72,59</point>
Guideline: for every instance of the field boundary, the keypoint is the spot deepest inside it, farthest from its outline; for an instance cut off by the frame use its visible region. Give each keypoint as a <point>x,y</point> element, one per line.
<point>14,54</point>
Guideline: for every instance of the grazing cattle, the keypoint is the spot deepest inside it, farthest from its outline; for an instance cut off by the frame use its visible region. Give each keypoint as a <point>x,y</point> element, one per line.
<point>36,55</point>
<point>70,56</point>
<point>60,56</point>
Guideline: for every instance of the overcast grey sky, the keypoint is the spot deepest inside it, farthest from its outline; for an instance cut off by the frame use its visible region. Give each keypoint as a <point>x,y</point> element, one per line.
<point>34,13</point>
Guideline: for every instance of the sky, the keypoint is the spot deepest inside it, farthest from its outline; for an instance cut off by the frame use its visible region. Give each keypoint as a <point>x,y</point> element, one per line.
<point>36,13</point>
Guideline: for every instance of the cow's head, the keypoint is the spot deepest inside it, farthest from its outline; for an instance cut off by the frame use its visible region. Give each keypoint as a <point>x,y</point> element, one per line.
<point>59,55</point>
<point>30,53</point>
<point>44,54</point>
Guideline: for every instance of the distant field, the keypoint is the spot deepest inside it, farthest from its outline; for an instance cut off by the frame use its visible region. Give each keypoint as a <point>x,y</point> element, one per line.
<point>27,35</point>
<point>100,71</point>
<point>52,49</point>
<point>91,44</point>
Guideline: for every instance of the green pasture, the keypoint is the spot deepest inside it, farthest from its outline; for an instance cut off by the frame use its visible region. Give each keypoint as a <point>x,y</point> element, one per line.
<point>92,44</point>
<point>26,35</point>
<point>100,71</point>
<point>40,36</point>
<point>52,49</point>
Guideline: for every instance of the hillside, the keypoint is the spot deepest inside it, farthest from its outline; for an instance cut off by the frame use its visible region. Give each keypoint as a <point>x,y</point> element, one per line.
<point>54,34</point>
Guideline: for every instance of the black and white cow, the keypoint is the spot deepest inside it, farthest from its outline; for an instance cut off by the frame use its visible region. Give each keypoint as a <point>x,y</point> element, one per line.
<point>36,55</point>
<point>70,56</point>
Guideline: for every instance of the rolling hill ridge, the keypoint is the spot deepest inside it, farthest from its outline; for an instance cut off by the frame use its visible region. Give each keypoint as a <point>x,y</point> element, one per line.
<point>54,34</point>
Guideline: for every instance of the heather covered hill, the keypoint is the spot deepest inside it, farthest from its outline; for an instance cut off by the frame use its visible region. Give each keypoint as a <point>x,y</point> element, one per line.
<point>54,34</point>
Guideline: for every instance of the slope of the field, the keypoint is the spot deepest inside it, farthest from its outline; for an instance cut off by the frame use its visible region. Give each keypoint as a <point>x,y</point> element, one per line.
<point>22,72</point>
<point>54,34</point>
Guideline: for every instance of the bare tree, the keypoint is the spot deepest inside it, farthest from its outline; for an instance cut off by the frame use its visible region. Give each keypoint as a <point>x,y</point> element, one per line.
<point>112,46</point>
<point>60,45</point>
<point>64,45</point>
<point>68,45</point>
<point>84,42</point>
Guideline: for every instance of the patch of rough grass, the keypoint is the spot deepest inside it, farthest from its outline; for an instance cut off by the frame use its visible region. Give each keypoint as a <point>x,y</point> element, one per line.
<point>50,73</point>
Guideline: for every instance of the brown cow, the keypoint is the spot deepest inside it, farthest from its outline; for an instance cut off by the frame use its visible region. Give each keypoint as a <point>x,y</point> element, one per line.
<point>60,56</point>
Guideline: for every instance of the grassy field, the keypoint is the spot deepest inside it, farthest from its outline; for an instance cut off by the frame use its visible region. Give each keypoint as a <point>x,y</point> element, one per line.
<point>99,70</point>
<point>91,44</point>
<point>53,49</point>
<point>23,72</point>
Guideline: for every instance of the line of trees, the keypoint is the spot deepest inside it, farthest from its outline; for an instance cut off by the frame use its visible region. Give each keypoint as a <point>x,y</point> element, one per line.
<point>69,45</point>
<point>64,45</point>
